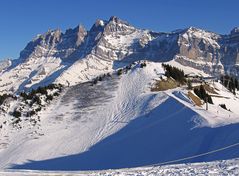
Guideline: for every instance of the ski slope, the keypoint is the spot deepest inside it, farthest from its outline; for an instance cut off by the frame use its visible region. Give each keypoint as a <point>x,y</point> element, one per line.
<point>119,123</point>
<point>229,167</point>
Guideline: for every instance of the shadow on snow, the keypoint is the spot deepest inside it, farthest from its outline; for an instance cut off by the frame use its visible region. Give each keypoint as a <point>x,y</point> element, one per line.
<point>166,133</point>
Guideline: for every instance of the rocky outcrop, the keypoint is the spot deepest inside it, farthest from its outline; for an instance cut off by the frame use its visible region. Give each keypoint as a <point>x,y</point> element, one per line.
<point>54,43</point>
<point>196,44</point>
<point>83,54</point>
<point>116,39</point>
<point>230,51</point>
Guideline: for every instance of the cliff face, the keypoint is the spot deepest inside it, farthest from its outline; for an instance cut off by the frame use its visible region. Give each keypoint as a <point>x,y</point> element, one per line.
<point>230,51</point>
<point>78,55</point>
<point>196,45</point>
<point>55,43</point>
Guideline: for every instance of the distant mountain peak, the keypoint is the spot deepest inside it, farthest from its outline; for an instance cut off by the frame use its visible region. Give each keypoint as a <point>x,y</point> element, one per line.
<point>76,29</point>
<point>194,29</point>
<point>235,30</point>
<point>100,22</point>
<point>98,26</point>
<point>117,20</point>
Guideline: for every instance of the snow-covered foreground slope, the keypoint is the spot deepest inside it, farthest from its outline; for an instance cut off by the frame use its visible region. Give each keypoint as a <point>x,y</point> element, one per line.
<point>120,123</point>
<point>217,168</point>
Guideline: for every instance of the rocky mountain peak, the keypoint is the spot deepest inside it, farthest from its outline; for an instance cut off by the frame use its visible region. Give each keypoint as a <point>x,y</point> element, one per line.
<point>73,37</point>
<point>52,37</point>
<point>193,29</point>
<point>81,33</point>
<point>48,40</point>
<point>100,22</point>
<point>48,37</point>
<point>115,19</point>
<point>115,24</point>
<point>235,31</point>
<point>98,26</point>
<point>79,28</point>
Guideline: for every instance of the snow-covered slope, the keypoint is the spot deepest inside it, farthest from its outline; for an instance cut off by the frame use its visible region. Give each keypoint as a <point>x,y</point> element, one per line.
<point>229,167</point>
<point>30,73</point>
<point>119,123</point>
<point>4,64</point>
<point>116,122</point>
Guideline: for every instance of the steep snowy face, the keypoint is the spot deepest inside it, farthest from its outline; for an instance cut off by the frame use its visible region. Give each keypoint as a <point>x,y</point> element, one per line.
<point>106,42</point>
<point>43,59</point>
<point>122,41</point>
<point>55,44</point>
<point>71,41</point>
<point>162,47</point>
<point>4,64</point>
<point>190,47</point>
<point>74,56</point>
<point>118,40</point>
<point>117,25</point>
<point>199,49</point>
<point>199,44</point>
<point>235,31</point>
<point>230,51</point>
<point>41,45</point>
<point>209,51</point>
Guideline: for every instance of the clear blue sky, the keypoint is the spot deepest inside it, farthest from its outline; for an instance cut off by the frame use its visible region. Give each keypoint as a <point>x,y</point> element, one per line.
<point>22,20</point>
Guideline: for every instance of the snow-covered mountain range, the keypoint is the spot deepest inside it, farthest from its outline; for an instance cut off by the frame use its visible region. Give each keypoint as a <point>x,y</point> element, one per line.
<point>116,121</point>
<point>78,55</point>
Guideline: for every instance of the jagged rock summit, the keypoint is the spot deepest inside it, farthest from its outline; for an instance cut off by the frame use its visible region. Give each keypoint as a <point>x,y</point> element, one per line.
<point>78,55</point>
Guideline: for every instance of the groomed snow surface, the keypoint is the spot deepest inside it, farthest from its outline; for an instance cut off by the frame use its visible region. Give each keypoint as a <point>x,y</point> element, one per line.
<point>119,123</point>
<point>218,168</point>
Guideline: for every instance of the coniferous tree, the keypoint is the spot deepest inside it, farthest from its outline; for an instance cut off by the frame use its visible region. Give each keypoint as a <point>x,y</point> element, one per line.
<point>4,97</point>
<point>189,84</point>
<point>16,113</point>
<point>119,72</point>
<point>202,94</point>
<point>230,82</point>
<point>174,73</point>
<point>236,83</point>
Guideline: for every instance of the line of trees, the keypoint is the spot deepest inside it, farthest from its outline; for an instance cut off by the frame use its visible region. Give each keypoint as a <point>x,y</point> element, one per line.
<point>175,73</point>
<point>32,95</point>
<point>230,82</point>
<point>142,65</point>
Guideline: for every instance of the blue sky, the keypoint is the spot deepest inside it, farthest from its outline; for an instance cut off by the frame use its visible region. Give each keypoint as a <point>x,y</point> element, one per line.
<point>22,20</point>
